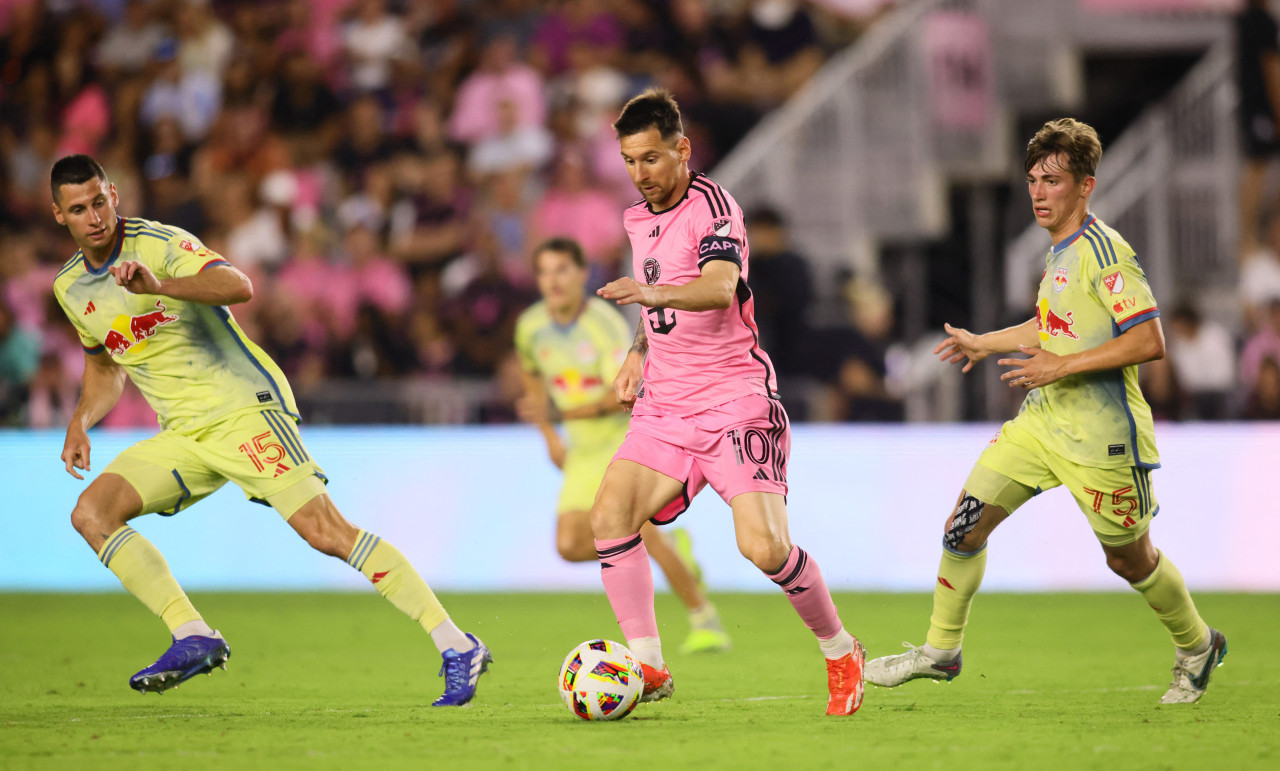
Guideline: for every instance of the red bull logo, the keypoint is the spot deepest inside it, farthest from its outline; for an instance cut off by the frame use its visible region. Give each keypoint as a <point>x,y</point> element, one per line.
<point>1050,324</point>
<point>140,328</point>
<point>1060,280</point>
<point>574,381</point>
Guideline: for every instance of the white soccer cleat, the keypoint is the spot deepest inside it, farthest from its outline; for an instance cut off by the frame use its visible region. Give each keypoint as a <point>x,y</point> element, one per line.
<point>1191,673</point>
<point>891,671</point>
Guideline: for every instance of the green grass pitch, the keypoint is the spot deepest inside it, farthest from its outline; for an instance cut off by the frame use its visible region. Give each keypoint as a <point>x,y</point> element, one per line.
<point>342,681</point>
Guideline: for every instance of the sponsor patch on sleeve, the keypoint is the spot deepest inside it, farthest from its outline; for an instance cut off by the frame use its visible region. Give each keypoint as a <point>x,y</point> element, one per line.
<point>1114,282</point>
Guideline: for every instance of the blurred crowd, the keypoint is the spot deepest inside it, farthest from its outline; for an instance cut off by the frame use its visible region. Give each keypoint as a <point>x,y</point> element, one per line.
<point>382,168</point>
<point>379,168</point>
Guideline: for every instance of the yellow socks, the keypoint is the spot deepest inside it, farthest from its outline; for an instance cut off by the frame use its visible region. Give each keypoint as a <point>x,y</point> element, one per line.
<point>396,579</point>
<point>1166,592</point>
<point>142,570</point>
<point>959,576</point>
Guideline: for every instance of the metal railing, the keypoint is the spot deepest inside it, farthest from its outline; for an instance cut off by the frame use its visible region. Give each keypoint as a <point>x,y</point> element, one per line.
<point>1168,185</point>
<point>862,153</point>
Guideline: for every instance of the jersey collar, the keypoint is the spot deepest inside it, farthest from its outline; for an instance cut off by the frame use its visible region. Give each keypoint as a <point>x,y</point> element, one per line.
<point>1088,220</point>
<point>115,251</point>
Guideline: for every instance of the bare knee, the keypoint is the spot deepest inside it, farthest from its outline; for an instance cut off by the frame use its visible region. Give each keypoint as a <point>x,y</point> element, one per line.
<point>94,521</point>
<point>612,518</point>
<point>1131,567</point>
<point>766,552</point>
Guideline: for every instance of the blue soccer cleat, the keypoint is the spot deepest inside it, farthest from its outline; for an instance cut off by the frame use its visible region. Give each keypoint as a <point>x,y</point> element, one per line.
<point>185,659</point>
<point>462,673</point>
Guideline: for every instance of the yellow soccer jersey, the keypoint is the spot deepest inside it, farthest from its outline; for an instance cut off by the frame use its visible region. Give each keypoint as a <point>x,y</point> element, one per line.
<point>191,361</point>
<point>577,364</point>
<point>1092,291</point>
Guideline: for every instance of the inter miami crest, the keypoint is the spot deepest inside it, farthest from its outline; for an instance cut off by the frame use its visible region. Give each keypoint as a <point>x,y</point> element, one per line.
<point>652,270</point>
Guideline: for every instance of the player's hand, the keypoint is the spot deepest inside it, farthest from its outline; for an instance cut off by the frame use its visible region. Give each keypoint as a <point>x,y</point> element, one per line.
<point>627,382</point>
<point>1038,370</point>
<point>626,291</point>
<point>75,451</point>
<point>135,277</point>
<point>961,344</point>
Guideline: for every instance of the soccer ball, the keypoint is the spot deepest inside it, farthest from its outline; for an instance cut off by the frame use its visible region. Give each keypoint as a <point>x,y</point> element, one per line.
<point>601,680</point>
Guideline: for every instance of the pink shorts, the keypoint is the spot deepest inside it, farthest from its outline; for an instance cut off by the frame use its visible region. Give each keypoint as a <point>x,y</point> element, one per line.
<point>739,447</point>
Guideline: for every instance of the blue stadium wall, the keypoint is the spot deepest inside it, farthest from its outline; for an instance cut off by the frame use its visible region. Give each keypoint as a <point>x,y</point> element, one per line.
<point>473,508</point>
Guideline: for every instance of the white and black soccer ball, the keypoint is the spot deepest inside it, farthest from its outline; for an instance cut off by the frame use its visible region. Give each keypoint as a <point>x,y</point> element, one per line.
<point>601,680</point>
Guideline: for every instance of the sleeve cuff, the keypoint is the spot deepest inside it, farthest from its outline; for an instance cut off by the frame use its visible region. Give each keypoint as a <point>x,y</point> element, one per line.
<point>1129,322</point>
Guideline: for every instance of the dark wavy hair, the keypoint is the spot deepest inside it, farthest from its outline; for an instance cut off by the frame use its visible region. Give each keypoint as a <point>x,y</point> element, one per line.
<point>651,108</point>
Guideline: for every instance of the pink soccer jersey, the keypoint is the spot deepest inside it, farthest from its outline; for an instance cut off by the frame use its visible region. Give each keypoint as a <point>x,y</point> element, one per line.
<point>697,360</point>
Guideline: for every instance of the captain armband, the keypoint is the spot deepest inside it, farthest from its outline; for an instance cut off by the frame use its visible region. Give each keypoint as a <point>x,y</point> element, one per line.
<point>714,247</point>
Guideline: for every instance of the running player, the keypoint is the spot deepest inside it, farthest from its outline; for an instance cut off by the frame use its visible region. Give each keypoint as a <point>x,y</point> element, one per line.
<point>149,301</point>
<point>570,347</point>
<point>707,411</point>
<point>1083,424</point>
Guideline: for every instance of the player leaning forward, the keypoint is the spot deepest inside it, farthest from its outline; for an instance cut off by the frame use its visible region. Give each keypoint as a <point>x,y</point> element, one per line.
<point>1084,423</point>
<point>149,301</point>
<point>707,411</point>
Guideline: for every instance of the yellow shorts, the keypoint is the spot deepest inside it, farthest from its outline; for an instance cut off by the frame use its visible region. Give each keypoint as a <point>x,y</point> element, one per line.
<point>583,471</point>
<point>1119,502</point>
<point>260,451</point>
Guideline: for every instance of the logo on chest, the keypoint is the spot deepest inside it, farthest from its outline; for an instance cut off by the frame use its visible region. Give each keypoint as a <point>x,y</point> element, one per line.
<point>652,271</point>
<point>1060,280</point>
<point>132,332</point>
<point>1050,324</point>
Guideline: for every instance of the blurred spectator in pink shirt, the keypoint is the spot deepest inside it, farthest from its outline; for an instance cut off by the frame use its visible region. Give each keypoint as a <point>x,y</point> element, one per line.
<point>573,208</point>
<point>25,283</point>
<point>501,77</point>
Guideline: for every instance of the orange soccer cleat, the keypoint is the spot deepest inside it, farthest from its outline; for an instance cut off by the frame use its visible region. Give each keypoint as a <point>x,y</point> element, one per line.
<point>658,684</point>
<point>844,681</point>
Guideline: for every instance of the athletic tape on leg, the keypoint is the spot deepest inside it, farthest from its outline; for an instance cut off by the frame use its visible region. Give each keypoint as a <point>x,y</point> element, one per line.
<point>963,522</point>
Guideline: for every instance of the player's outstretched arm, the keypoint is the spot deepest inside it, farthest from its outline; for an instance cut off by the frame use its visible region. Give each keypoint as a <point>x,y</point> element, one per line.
<point>218,285</point>
<point>534,407</point>
<point>627,382</point>
<point>963,344</point>
<point>1141,343</point>
<point>713,290</point>
<point>100,389</point>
